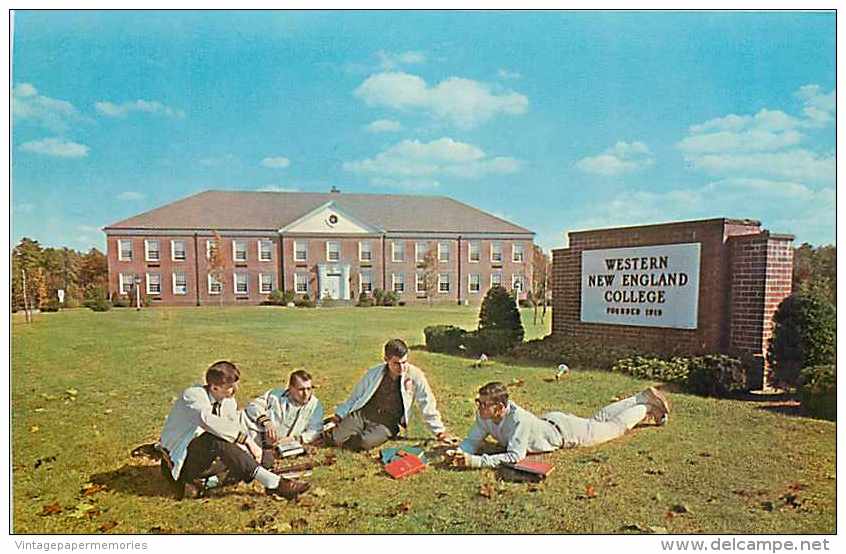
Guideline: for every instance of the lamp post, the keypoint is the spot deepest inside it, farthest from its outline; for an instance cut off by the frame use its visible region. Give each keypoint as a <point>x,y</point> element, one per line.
<point>137,293</point>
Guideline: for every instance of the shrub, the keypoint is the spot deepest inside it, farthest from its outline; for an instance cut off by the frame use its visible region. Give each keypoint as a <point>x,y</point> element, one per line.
<point>716,375</point>
<point>120,301</point>
<point>304,301</point>
<point>71,302</point>
<point>364,301</point>
<point>444,338</point>
<point>391,298</point>
<point>492,342</point>
<point>51,305</point>
<point>280,298</point>
<point>804,335</point>
<point>499,313</point>
<point>674,370</point>
<point>818,391</point>
<point>378,296</point>
<point>574,352</point>
<point>99,305</point>
<point>526,303</point>
<point>95,295</point>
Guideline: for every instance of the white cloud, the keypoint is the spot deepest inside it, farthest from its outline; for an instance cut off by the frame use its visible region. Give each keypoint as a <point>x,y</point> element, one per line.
<point>797,164</point>
<point>110,109</point>
<point>56,147</point>
<point>53,114</point>
<point>506,74</point>
<point>389,60</point>
<point>130,195</point>
<point>412,159</point>
<point>818,107</point>
<point>463,102</point>
<point>383,126</point>
<point>623,157</point>
<point>745,141</point>
<point>277,188</point>
<point>277,162</point>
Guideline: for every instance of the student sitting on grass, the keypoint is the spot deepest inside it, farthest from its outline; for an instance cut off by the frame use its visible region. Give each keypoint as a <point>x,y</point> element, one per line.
<point>203,425</point>
<point>521,432</point>
<point>285,415</point>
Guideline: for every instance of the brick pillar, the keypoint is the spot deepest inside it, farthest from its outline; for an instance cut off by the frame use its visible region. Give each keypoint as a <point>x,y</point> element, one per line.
<point>762,270</point>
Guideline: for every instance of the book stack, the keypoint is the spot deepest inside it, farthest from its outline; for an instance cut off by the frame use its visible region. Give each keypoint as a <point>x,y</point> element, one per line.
<point>288,449</point>
<point>403,465</point>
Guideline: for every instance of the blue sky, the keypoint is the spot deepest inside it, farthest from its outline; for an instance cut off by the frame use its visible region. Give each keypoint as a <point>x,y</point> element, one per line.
<point>555,120</point>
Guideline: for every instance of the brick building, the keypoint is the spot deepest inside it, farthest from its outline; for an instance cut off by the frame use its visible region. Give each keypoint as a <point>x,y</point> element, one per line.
<point>326,245</point>
<point>744,273</point>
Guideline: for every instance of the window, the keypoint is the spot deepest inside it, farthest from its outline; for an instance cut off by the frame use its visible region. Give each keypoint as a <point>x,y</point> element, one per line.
<point>420,283</point>
<point>154,283</point>
<point>365,251</point>
<point>517,253</point>
<point>333,251</point>
<point>397,251</point>
<point>239,250</point>
<point>473,248</point>
<point>496,279</point>
<point>366,278</point>
<point>443,252</point>
<point>241,283</point>
<point>474,282</point>
<point>265,249</point>
<point>517,282</point>
<point>443,282</point>
<point>300,250</point>
<point>180,283</point>
<point>420,249</point>
<point>398,280</point>
<point>151,250</point>
<point>301,283</point>
<point>125,250</point>
<point>126,282</point>
<point>265,283</point>
<point>177,250</point>
<point>215,286</point>
<point>211,248</point>
<point>496,251</point>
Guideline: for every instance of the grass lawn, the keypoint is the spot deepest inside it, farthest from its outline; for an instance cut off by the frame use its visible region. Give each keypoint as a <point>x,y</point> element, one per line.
<point>88,387</point>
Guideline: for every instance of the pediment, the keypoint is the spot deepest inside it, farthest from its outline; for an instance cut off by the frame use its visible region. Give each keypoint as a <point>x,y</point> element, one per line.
<point>331,220</point>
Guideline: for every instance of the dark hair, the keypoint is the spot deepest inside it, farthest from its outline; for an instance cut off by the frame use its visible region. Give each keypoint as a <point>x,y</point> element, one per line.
<point>300,375</point>
<point>494,392</point>
<point>222,373</point>
<point>395,348</point>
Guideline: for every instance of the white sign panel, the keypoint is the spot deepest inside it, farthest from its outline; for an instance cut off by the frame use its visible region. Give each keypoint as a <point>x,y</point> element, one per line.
<point>649,286</point>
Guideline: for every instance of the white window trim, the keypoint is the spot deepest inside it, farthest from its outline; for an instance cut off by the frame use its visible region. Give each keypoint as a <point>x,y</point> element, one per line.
<point>173,284</point>
<point>419,256</point>
<point>120,250</point>
<point>235,250</point>
<point>258,244</point>
<point>518,277</point>
<point>235,283</point>
<point>470,251</point>
<point>305,244</point>
<point>209,243</point>
<point>210,277</point>
<point>442,281</point>
<point>173,257</point>
<point>361,250</point>
<point>361,281</point>
<point>493,243</point>
<point>394,282</point>
<point>492,278</point>
<point>305,280</point>
<point>419,282</point>
<point>469,281</point>
<point>394,251</point>
<point>147,278</point>
<point>440,261</point>
<point>514,254</point>
<point>328,243</point>
<point>122,282</point>
<point>147,257</point>
<point>260,275</point>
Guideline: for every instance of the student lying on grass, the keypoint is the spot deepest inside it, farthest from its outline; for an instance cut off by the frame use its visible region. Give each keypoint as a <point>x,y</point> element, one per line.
<point>204,425</point>
<point>282,415</point>
<point>522,432</point>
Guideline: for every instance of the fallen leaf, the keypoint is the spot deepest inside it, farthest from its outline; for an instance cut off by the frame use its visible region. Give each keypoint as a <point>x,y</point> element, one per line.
<point>108,526</point>
<point>299,523</point>
<point>441,494</point>
<point>486,490</point>
<point>90,489</point>
<point>159,530</point>
<point>516,383</point>
<point>590,491</point>
<point>404,507</point>
<point>34,429</point>
<point>652,471</point>
<point>71,392</point>
<point>41,461</point>
<point>107,411</point>
<point>84,509</point>
<point>307,501</point>
<point>247,506</point>
<point>51,509</point>
<point>767,506</point>
<point>679,509</point>
<point>658,530</point>
<point>39,410</point>
<point>346,505</point>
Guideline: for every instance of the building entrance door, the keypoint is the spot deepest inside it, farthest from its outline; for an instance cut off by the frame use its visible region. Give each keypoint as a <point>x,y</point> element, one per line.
<point>332,286</point>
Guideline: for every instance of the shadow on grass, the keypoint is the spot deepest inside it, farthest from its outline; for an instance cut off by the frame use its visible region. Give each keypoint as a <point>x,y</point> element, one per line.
<point>139,480</point>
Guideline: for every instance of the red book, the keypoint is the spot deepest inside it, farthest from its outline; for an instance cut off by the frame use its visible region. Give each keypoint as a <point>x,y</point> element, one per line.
<point>404,465</point>
<point>540,469</point>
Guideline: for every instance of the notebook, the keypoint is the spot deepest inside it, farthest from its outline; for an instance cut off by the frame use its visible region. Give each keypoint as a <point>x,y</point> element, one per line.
<point>403,465</point>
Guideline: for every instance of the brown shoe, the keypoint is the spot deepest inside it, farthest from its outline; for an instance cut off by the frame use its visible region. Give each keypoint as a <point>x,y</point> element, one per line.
<point>289,488</point>
<point>194,489</point>
<point>658,406</point>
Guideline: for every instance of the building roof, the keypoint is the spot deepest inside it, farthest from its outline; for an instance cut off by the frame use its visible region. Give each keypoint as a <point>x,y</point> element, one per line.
<point>248,210</point>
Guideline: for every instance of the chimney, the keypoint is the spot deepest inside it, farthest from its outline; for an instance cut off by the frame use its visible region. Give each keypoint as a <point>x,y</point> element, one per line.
<point>335,189</point>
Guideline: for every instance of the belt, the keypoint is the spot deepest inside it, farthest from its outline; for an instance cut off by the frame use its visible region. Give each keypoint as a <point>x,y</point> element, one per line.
<point>557,428</point>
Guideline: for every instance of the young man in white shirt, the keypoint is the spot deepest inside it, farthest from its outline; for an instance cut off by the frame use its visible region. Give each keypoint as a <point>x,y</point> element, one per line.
<point>381,403</point>
<point>522,432</point>
<point>282,415</point>
<point>204,425</point>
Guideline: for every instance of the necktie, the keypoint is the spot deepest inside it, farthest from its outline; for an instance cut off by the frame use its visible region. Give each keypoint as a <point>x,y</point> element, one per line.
<point>216,408</point>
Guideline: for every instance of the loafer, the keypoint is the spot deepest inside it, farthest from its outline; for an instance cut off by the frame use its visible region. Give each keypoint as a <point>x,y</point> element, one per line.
<point>289,488</point>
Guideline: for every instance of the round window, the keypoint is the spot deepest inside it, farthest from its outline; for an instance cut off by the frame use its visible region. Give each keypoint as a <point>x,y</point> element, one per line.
<point>333,219</point>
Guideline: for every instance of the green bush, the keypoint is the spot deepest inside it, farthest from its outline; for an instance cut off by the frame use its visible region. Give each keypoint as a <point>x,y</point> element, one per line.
<point>51,305</point>
<point>304,301</point>
<point>391,298</point>
<point>99,305</point>
<point>499,313</point>
<point>492,342</point>
<point>804,335</point>
<point>577,353</point>
<point>95,295</point>
<point>280,298</point>
<point>674,370</point>
<point>364,300</point>
<point>71,302</point>
<point>818,391</point>
<point>445,339</point>
<point>378,296</point>
<point>716,375</point>
<point>120,301</point>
